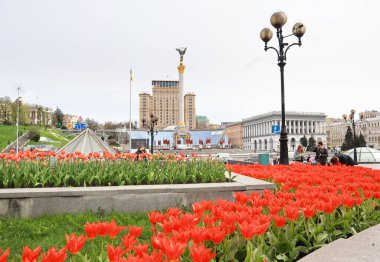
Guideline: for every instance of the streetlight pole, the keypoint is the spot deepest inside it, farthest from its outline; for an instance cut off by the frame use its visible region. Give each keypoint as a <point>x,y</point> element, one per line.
<point>351,120</point>
<point>277,20</point>
<point>18,116</point>
<point>153,122</point>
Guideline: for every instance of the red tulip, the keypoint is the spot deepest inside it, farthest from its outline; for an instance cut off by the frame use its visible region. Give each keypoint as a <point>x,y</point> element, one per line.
<point>5,255</point>
<point>279,220</point>
<point>29,255</point>
<point>128,241</point>
<point>113,229</point>
<point>173,249</point>
<point>75,244</point>
<point>199,253</point>
<point>115,254</point>
<point>135,231</point>
<point>54,256</point>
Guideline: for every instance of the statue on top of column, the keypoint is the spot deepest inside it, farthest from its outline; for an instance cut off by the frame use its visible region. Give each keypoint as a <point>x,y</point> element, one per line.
<point>181,51</point>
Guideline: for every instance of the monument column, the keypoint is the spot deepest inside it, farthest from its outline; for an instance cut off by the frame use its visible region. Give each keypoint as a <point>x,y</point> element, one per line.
<point>181,106</point>
<point>181,133</point>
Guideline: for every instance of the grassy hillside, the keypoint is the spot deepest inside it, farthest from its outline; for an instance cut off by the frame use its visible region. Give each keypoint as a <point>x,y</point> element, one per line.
<point>8,135</point>
<point>57,138</point>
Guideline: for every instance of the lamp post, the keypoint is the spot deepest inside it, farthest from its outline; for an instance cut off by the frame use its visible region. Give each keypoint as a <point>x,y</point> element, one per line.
<point>350,119</point>
<point>153,122</point>
<point>277,20</point>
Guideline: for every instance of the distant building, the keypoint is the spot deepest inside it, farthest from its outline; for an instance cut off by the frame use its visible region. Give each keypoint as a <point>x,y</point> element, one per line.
<point>370,114</point>
<point>234,131</point>
<point>190,110</point>
<point>202,122</point>
<point>369,128</point>
<point>164,104</point>
<point>257,130</point>
<point>69,121</point>
<point>40,115</point>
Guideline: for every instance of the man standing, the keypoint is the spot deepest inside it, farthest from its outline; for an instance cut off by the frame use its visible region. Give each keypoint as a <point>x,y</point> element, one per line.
<point>321,154</point>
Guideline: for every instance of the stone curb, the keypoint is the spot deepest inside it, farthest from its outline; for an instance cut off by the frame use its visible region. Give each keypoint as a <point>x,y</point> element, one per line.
<point>241,183</point>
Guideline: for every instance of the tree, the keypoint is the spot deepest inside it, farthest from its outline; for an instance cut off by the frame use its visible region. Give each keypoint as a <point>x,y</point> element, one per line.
<point>5,110</point>
<point>348,140</point>
<point>92,124</point>
<point>24,112</point>
<point>312,144</point>
<point>303,141</point>
<point>112,125</point>
<point>360,141</point>
<point>58,118</point>
<point>34,134</point>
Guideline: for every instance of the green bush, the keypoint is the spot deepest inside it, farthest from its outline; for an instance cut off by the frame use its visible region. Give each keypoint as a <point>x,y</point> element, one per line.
<point>34,135</point>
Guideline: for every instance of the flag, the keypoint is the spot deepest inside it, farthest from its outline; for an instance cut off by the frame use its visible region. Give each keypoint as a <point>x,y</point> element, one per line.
<point>130,73</point>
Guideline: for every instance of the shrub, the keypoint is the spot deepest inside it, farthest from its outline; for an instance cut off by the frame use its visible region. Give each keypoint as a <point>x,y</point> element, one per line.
<point>34,135</point>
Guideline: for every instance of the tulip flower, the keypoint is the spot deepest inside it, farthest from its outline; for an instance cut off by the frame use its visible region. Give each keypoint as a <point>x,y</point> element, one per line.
<point>4,256</point>
<point>199,253</point>
<point>75,244</point>
<point>115,254</point>
<point>54,256</point>
<point>113,229</point>
<point>29,255</point>
<point>135,231</point>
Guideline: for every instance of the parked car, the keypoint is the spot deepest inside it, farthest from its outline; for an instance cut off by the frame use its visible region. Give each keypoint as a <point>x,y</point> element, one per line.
<point>224,157</point>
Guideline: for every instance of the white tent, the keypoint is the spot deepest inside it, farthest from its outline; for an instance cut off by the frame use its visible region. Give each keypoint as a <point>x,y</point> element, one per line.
<point>87,142</point>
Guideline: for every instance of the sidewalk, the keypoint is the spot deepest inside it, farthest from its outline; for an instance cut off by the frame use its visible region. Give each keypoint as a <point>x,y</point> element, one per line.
<point>374,166</point>
<point>363,247</point>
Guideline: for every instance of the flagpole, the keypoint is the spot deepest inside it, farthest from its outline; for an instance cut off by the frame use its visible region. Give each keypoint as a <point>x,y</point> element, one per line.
<point>130,112</point>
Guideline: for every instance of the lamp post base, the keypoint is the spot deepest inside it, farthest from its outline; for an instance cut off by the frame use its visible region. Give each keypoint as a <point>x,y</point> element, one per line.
<point>284,157</point>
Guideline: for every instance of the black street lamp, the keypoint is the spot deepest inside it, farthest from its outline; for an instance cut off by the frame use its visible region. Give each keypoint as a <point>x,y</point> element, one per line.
<point>350,119</point>
<point>277,20</point>
<point>153,122</point>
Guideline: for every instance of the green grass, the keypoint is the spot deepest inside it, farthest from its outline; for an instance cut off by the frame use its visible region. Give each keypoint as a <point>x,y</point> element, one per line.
<point>8,135</point>
<point>58,139</point>
<point>49,231</point>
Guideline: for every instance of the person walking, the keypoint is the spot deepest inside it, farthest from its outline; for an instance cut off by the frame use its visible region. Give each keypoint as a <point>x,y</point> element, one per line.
<point>321,154</point>
<point>299,154</point>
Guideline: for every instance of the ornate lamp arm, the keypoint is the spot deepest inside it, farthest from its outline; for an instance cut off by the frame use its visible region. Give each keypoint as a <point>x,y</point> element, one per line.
<point>299,44</point>
<point>267,48</point>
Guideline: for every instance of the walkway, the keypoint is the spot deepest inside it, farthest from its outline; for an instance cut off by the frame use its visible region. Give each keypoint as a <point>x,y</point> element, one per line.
<point>363,247</point>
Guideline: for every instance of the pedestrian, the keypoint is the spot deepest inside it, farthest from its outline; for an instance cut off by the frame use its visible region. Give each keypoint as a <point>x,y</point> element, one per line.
<point>321,154</point>
<point>342,159</point>
<point>299,154</point>
<point>141,151</point>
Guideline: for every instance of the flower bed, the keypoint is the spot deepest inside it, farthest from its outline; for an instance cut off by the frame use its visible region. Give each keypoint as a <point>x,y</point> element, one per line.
<point>35,169</point>
<point>313,206</point>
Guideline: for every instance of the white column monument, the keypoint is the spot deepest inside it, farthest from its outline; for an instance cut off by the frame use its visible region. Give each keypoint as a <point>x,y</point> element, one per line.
<point>181,132</point>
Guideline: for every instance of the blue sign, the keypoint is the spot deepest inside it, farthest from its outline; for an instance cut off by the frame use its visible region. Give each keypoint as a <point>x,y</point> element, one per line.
<point>81,126</point>
<point>275,129</point>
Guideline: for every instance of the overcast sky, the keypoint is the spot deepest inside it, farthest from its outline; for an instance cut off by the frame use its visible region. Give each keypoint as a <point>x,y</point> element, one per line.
<point>76,55</point>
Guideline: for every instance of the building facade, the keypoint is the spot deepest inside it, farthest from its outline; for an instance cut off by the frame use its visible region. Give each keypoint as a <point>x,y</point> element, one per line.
<point>257,130</point>
<point>369,128</point>
<point>190,116</point>
<point>164,104</point>
<point>234,131</point>
<point>40,115</point>
<point>202,122</point>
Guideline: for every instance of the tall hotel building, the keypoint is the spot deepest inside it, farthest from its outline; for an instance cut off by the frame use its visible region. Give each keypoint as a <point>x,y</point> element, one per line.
<point>164,103</point>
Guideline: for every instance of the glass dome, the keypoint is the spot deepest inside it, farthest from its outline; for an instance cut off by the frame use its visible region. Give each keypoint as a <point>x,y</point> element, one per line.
<point>365,154</point>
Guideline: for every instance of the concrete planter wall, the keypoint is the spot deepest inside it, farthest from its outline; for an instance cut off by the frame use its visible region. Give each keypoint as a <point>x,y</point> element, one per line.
<point>34,202</point>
